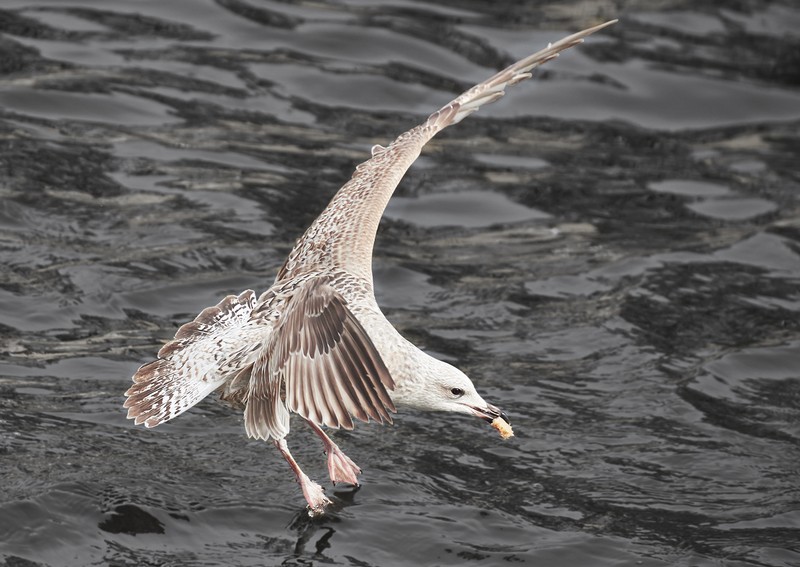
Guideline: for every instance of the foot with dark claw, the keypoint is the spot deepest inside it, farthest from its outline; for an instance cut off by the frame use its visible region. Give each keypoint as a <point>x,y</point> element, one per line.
<point>314,495</point>
<point>340,467</point>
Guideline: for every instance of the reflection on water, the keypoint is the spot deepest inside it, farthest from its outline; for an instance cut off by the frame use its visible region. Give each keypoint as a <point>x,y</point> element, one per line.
<point>464,208</point>
<point>612,252</point>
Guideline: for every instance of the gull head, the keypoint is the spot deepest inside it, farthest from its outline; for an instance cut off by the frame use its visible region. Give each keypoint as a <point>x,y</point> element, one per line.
<point>443,387</point>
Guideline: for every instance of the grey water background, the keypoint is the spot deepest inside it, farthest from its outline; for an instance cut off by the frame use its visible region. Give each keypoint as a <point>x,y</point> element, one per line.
<point>612,252</point>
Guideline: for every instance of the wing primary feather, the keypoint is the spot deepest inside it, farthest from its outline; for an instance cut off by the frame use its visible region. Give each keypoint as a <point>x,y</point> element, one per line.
<point>349,387</point>
<point>312,406</point>
<point>339,384</point>
<point>321,342</point>
<point>359,385</point>
<point>320,400</point>
<point>297,400</point>
<point>332,397</point>
<point>374,406</point>
<point>299,375</point>
<point>378,373</point>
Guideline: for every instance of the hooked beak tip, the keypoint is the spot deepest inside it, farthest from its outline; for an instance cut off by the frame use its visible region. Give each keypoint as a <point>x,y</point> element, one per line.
<point>490,413</point>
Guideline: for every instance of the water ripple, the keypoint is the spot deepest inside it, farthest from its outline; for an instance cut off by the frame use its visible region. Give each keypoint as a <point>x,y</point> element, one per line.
<point>611,252</point>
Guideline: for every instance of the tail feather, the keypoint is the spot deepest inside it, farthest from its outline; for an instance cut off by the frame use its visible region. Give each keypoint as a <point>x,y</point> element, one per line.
<point>205,353</point>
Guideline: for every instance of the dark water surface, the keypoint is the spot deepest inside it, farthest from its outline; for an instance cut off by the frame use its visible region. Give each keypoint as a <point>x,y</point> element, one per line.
<point>612,252</point>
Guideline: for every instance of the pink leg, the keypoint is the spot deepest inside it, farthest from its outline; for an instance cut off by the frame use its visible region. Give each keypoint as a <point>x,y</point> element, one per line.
<point>340,467</point>
<point>313,492</point>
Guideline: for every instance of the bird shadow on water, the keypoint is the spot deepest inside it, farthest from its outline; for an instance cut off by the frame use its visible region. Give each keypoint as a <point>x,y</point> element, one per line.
<point>132,520</point>
<point>314,533</point>
<point>311,532</point>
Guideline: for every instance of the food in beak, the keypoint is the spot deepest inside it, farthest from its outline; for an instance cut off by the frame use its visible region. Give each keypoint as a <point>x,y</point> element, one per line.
<point>497,418</point>
<point>503,427</point>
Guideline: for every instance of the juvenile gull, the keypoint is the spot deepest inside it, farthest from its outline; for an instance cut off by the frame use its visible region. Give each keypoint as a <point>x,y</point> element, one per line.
<point>316,342</point>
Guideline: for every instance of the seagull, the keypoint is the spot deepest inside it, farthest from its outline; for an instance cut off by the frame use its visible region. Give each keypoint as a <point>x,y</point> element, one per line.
<point>316,342</point>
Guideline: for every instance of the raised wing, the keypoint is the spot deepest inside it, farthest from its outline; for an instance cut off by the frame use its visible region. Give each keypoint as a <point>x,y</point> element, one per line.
<point>324,360</point>
<point>205,353</point>
<point>343,235</point>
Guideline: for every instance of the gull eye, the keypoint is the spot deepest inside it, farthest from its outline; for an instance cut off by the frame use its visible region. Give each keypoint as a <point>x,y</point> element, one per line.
<point>457,392</point>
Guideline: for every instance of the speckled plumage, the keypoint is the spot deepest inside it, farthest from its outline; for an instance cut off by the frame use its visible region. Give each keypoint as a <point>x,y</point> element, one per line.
<point>316,343</point>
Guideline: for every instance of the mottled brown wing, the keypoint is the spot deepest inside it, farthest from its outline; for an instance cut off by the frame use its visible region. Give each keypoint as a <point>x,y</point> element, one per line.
<point>327,363</point>
<point>205,353</point>
<point>343,235</point>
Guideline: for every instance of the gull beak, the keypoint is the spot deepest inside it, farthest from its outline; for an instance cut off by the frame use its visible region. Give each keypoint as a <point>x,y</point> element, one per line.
<point>490,413</point>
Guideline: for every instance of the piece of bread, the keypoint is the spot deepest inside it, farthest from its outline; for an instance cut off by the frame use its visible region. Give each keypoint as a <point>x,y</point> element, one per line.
<point>503,427</point>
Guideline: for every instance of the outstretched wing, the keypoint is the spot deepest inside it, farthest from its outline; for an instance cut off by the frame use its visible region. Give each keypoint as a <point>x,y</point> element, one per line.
<point>343,235</point>
<point>205,353</point>
<point>325,361</point>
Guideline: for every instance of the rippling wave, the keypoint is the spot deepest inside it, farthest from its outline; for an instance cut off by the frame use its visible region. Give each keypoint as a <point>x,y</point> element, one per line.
<point>612,252</point>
